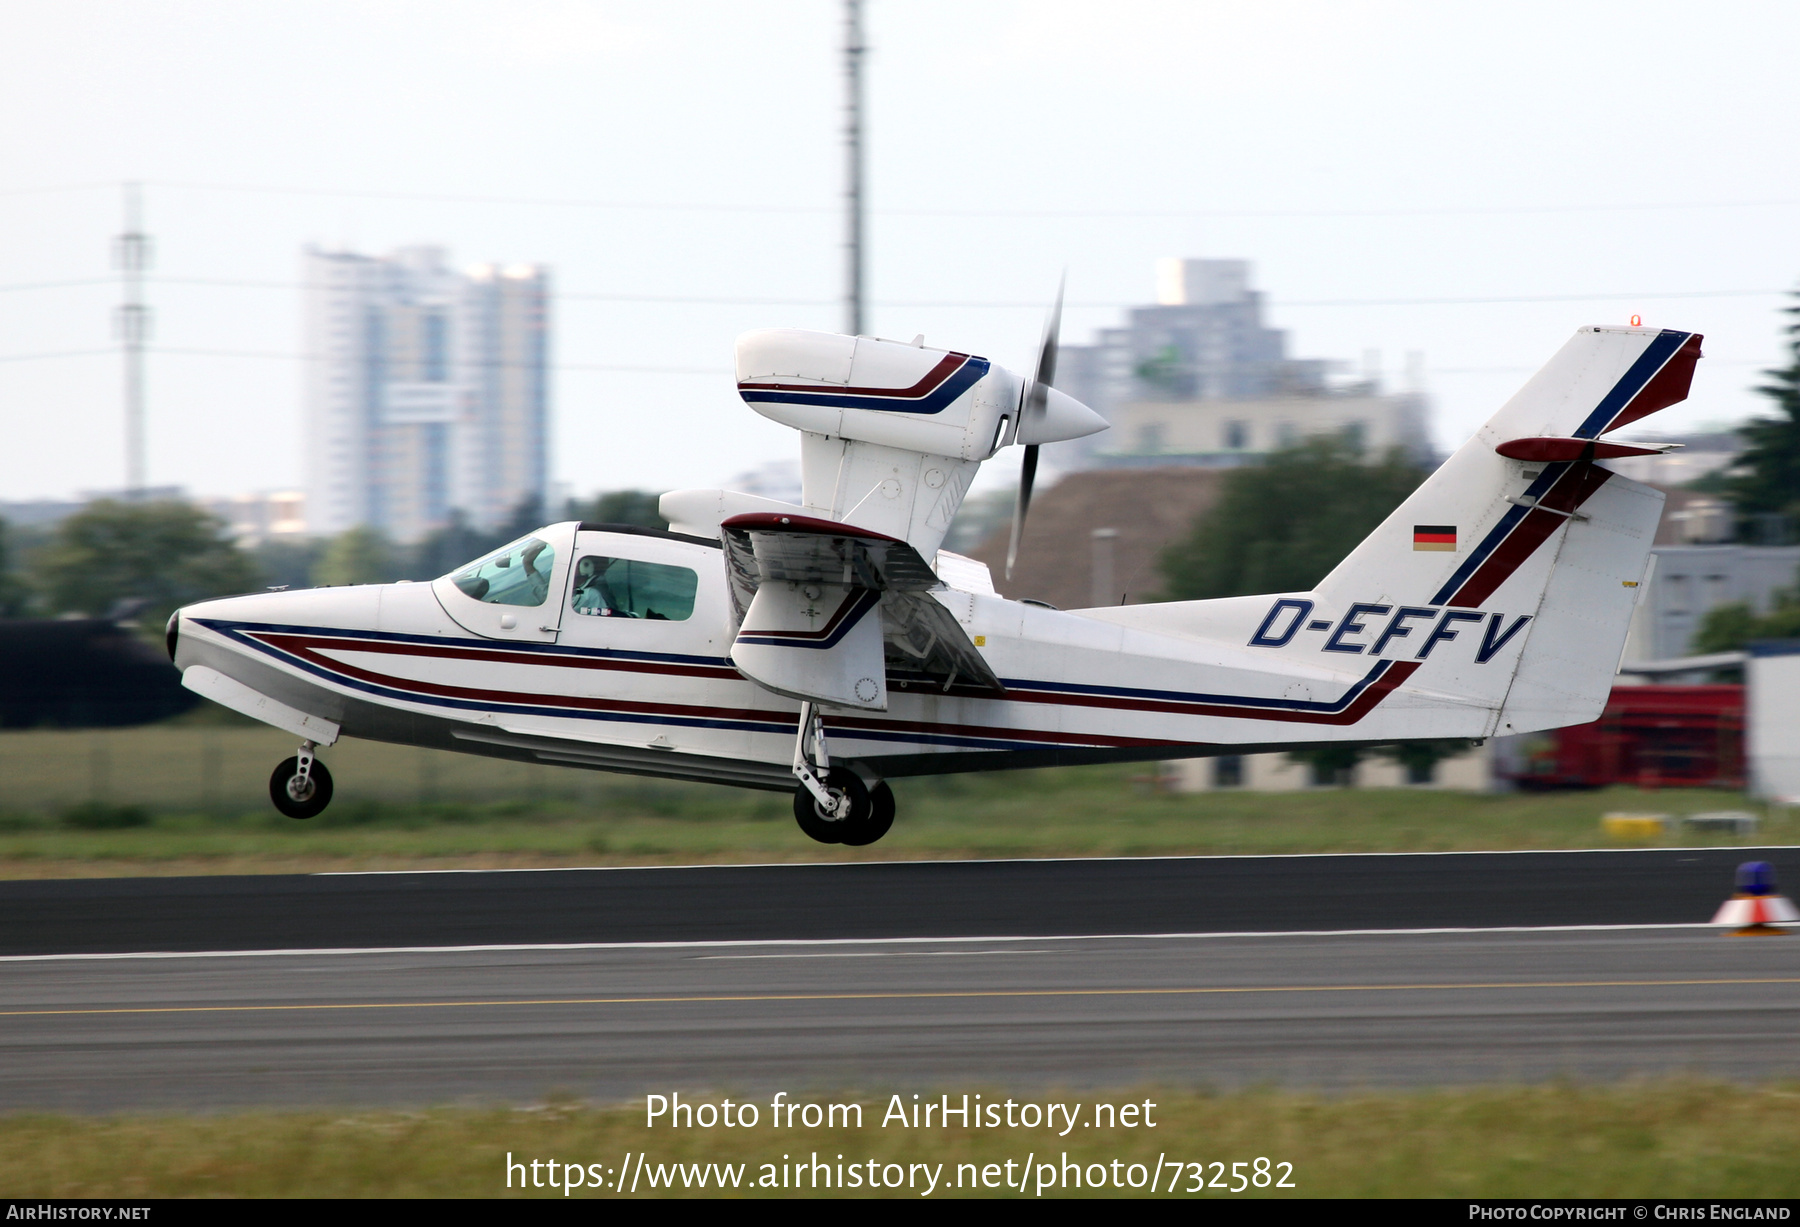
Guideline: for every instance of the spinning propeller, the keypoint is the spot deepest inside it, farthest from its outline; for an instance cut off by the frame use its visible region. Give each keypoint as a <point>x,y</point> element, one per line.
<point>1034,409</point>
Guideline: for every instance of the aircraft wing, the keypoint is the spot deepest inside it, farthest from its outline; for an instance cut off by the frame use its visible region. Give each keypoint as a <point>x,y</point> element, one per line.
<point>801,588</point>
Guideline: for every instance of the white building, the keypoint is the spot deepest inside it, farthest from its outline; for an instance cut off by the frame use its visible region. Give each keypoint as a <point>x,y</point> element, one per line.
<point>1471,771</point>
<point>426,391</point>
<point>1229,432</point>
<point>1772,720</point>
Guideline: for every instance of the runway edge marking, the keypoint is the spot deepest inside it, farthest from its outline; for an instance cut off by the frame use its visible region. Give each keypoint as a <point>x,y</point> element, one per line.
<point>1045,860</point>
<point>738,943</point>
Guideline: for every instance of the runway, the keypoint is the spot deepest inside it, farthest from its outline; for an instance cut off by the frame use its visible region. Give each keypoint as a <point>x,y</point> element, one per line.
<point>881,900</point>
<point>713,1000</point>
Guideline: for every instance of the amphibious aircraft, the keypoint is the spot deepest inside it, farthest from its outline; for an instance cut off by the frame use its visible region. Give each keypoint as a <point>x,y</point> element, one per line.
<point>826,646</point>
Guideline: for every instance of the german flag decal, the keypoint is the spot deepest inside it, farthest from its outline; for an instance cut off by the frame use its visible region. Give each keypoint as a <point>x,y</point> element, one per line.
<point>1434,537</point>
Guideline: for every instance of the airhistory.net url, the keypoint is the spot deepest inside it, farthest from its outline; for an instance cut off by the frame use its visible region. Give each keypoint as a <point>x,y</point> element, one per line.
<point>638,1173</point>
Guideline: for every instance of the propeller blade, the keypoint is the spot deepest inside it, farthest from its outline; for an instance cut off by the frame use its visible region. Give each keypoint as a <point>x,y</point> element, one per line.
<point>1033,403</point>
<point>1027,474</point>
<point>1046,368</point>
<point>1034,396</point>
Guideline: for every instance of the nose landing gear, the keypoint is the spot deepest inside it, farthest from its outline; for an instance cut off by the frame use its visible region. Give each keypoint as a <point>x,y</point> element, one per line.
<point>832,804</point>
<point>301,787</point>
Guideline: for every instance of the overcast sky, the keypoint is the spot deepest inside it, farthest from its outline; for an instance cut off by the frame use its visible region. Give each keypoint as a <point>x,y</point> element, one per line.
<point>1569,163</point>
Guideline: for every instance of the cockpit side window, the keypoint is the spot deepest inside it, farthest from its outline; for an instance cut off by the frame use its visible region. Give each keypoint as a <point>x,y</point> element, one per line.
<point>517,574</point>
<point>626,588</point>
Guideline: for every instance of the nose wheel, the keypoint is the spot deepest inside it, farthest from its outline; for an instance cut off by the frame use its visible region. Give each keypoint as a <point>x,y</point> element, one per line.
<point>301,787</point>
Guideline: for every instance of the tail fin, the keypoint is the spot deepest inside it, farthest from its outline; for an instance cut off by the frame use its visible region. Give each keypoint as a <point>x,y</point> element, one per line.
<point>1523,521</point>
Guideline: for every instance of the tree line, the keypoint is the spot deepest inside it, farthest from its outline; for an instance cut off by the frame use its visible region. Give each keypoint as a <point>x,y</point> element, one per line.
<point>145,560</point>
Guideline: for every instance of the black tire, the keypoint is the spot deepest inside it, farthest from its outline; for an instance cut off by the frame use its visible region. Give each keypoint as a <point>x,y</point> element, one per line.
<point>823,827</point>
<point>309,806</point>
<point>881,817</point>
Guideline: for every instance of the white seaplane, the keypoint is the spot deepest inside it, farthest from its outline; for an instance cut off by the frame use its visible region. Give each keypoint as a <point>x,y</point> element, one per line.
<point>827,646</point>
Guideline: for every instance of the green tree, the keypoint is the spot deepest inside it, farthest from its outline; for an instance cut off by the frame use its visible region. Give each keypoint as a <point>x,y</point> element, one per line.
<point>358,555</point>
<point>637,507</point>
<point>1282,525</point>
<point>14,596</point>
<point>450,547</point>
<point>288,563</point>
<point>1730,628</point>
<point>1330,764</point>
<point>1767,476</point>
<point>1420,758</point>
<point>163,554</point>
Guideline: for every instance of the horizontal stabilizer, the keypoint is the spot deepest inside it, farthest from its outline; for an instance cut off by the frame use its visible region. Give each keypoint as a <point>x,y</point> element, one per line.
<point>1544,449</point>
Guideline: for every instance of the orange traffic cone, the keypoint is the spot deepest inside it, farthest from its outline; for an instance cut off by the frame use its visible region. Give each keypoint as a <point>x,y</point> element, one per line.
<point>1756,910</point>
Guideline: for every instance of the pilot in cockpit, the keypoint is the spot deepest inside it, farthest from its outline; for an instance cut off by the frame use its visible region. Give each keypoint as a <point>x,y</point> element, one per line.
<point>592,596</point>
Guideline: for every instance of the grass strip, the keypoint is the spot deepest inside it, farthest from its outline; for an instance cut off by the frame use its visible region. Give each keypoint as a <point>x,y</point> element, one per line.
<point>1664,1138</point>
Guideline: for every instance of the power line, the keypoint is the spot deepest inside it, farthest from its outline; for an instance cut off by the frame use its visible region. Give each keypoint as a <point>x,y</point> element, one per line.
<point>288,356</point>
<point>627,368</point>
<point>965,304</point>
<point>578,203</point>
<point>475,198</point>
<point>57,353</point>
<point>696,207</point>
<point>50,188</point>
<point>57,285</point>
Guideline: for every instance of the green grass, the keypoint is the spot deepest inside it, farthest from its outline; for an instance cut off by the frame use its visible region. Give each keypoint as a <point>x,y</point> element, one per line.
<point>1655,1139</point>
<point>192,798</point>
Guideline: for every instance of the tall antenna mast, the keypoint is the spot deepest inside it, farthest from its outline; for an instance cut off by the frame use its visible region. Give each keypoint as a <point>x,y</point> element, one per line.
<point>131,256</point>
<point>853,152</point>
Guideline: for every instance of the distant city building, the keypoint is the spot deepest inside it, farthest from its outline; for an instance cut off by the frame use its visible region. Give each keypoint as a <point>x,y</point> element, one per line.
<point>255,518</point>
<point>776,479</point>
<point>427,391</point>
<point>1699,455</point>
<point>1690,581</point>
<point>1199,379</point>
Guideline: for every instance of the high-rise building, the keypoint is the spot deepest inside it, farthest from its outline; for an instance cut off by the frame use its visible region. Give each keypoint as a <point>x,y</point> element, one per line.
<point>426,391</point>
<point>1200,379</point>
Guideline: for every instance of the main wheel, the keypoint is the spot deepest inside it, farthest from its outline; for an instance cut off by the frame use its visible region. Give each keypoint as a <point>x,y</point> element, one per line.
<point>824,827</point>
<point>297,800</point>
<point>881,817</point>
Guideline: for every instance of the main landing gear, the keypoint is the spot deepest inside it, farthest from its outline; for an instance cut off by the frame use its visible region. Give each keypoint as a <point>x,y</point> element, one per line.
<point>832,804</point>
<point>301,787</point>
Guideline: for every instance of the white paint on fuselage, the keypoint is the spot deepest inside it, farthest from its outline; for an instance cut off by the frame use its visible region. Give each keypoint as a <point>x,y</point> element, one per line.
<point>668,685</point>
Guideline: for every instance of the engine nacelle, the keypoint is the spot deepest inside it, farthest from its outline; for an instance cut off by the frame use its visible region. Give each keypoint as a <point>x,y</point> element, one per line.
<point>935,401</point>
<point>891,434</point>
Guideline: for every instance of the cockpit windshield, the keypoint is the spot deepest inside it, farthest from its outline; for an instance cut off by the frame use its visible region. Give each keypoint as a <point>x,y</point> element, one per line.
<point>517,574</point>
